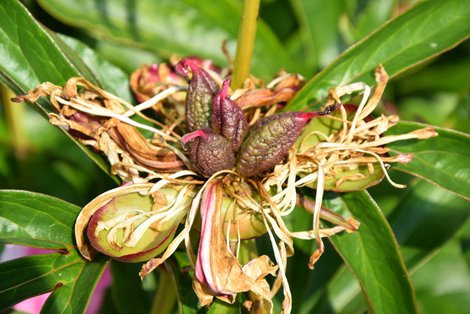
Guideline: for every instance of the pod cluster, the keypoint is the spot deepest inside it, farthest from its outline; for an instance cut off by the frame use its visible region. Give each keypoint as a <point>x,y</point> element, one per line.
<point>219,137</point>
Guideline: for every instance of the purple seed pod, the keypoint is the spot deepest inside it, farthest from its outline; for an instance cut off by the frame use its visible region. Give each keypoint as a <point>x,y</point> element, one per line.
<point>208,152</point>
<point>269,141</point>
<point>200,94</point>
<point>227,118</point>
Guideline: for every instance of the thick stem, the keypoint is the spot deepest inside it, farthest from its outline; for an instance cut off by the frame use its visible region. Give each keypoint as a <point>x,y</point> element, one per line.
<point>165,297</point>
<point>248,251</point>
<point>245,42</point>
<point>14,114</point>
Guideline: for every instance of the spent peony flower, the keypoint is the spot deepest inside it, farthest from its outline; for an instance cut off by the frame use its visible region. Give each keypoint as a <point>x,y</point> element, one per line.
<point>226,163</point>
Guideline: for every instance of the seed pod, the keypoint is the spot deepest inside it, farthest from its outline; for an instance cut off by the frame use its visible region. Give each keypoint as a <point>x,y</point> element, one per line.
<point>200,95</point>
<point>269,141</point>
<point>343,178</point>
<point>227,118</point>
<point>241,223</point>
<point>208,152</point>
<point>129,226</point>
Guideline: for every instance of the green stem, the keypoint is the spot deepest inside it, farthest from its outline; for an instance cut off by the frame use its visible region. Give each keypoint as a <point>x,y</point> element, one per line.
<point>14,115</point>
<point>248,251</point>
<point>245,42</point>
<point>165,297</point>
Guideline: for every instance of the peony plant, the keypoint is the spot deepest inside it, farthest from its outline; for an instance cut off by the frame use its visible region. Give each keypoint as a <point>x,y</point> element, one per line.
<point>214,167</point>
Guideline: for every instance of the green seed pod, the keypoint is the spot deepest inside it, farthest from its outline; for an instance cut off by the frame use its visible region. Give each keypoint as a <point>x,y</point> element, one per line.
<point>200,95</point>
<point>349,178</point>
<point>130,226</point>
<point>240,222</point>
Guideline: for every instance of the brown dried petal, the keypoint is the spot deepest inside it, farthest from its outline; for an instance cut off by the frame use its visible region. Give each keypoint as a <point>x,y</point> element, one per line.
<point>218,271</point>
<point>149,80</point>
<point>264,97</point>
<point>143,152</point>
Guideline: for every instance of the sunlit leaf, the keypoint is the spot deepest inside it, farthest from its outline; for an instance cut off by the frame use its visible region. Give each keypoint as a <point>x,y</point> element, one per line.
<point>42,221</point>
<point>420,33</point>
<point>319,29</point>
<point>418,220</point>
<point>373,256</point>
<point>423,209</point>
<point>442,160</point>
<point>33,219</point>
<point>443,283</point>
<point>113,79</point>
<point>31,55</point>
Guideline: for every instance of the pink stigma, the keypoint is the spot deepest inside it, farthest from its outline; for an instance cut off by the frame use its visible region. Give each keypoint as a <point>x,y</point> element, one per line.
<point>198,133</point>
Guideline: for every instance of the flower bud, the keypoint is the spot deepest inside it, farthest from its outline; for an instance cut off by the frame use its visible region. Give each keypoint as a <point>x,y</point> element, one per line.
<point>208,152</point>
<point>130,226</point>
<point>200,94</point>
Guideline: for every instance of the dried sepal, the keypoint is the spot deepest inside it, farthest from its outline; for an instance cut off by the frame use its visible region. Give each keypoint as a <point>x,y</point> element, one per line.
<point>142,151</point>
<point>99,119</point>
<point>149,80</point>
<point>284,89</point>
<point>129,224</point>
<point>218,272</point>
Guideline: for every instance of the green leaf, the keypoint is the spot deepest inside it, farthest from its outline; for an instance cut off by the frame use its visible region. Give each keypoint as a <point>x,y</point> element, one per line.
<point>113,79</point>
<point>373,257</point>
<point>127,58</point>
<point>37,220</point>
<point>319,29</point>
<point>417,223</point>
<point>42,221</point>
<point>443,283</point>
<point>188,27</point>
<point>442,160</point>
<point>75,293</point>
<point>32,55</point>
<point>430,79</point>
<point>424,31</point>
<point>29,55</point>
<point>371,17</point>
<point>417,220</point>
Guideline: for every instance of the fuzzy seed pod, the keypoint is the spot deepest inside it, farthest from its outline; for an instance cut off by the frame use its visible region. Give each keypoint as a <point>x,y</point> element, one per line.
<point>200,94</point>
<point>227,118</point>
<point>208,152</point>
<point>269,141</point>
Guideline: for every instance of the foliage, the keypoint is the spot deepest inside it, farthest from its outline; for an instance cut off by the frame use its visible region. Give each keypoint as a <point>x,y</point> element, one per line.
<point>408,239</point>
